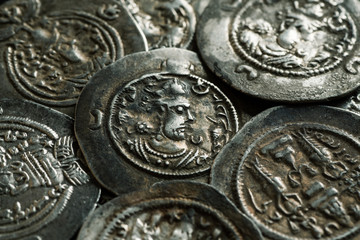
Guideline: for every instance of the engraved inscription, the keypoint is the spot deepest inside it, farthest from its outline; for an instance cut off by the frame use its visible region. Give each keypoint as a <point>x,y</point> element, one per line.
<point>300,38</point>
<point>172,125</point>
<point>301,181</point>
<point>165,23</point>
<point>50,58</point>
<point>169,219</point>
<point>34,157</point>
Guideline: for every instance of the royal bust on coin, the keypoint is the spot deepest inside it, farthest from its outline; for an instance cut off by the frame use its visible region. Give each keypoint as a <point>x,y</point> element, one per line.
<point>51,49</point>
<point>295,172</point>
<point>45,192</point>
<point>176,210</point>
<point>293,51</point>
<point>161,118</point>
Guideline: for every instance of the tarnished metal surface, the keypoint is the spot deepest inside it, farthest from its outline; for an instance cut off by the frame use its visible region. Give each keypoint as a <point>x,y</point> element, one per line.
<point>45,191</point>
<point>292,51</point>
<point>52,48</point>
<point>294,171</point>
<point>157,116</point>
<point>174,210</point>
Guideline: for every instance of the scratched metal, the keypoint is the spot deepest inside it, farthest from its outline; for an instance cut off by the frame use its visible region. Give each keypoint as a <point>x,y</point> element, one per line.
<point>50,48</point>
<point>295,172</point>
<point>290,51</point>
<point>173,210</point>
<point>45,191</point>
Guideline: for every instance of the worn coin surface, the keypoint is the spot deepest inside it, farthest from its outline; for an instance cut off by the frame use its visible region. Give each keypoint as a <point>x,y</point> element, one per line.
<point>52,48</point>
<point>295,172</point>
<point>292,51</point>
<point>173,210</point>
<point>165,23</point>
<point>45,192</point>
<point>153,116</point>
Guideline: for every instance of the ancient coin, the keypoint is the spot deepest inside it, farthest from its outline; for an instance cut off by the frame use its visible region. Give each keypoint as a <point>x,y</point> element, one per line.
<point>165,23</point>
<point>52,48</point>
<point>45,192</point>
<point>173,210</point>
<point>292,51</point>
<point>295,172</point>
<point>153,116</point>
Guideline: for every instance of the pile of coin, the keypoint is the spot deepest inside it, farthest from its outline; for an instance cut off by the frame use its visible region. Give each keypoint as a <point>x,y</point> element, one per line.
<point>179,119</point>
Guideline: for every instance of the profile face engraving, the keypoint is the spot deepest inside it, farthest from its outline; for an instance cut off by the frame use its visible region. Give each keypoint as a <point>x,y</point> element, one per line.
<point>300,38</point>
<point>300,181</point>
<point>172,125</point>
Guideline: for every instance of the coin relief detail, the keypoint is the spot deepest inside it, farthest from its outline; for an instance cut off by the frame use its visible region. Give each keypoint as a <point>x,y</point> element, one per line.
<point>51,57</point>
<point>171,124</point>
<point>33,156</point>
<point>301,181</point>
<point>299,38</point>
<point>183,219</point>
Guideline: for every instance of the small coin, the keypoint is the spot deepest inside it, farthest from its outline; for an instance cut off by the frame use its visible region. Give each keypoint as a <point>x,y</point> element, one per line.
<point>165,23</point>
<point>52,48</point>
<point>292,51</point>
<point>295,172</point>
<point>153,116</point>
<point>173,210</point>
<point>45,192</point>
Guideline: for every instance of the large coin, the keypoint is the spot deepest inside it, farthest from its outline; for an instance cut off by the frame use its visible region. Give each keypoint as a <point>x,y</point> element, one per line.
<point>52,48</point>
<point>293,51</point>
<point>296,172</point>
<point>153,116</point>
<point>165,23</point>
<point>176,210</point>
<point>44,191</point>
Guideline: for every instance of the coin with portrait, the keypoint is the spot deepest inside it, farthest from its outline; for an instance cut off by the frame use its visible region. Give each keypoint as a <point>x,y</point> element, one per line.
<point>290,51</point>
<point>160,119</point>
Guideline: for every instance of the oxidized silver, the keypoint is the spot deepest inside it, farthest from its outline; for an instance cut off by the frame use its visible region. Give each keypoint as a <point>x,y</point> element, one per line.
<point>160,118</point>
<point>45,193</point>
<point>295,172</point>
<point>174,210</point>
<point>50,53</point>
<point>293,51</point>
<point>164,23</point>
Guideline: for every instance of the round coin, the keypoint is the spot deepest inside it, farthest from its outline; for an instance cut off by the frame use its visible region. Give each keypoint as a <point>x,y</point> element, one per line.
<point>51,49</point>
<point>295,172</point>
<point>175,210</point>
<point>45,192</point>
<point>156,116</point>
<point>292,51</point>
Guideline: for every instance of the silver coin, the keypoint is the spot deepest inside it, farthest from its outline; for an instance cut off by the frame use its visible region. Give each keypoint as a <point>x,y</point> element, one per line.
<point>176,210</point>
<point>164,23</point>
<point>156,116</point>
<point>51,49</point>
<point>295,172</point>
<point>45,192</point>
<point>292,51</point>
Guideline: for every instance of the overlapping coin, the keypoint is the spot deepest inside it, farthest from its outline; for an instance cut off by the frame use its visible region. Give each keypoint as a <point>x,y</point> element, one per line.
<point>45,192</point>
<point>153,116</point>
<point>164,23</point>
<point>175,210</point>
<point>292,51</point>
<point>52,48</point>
<point>295,172</point>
